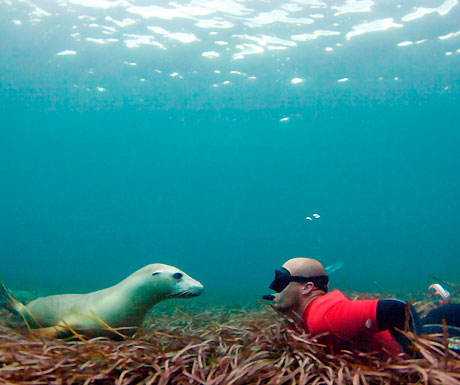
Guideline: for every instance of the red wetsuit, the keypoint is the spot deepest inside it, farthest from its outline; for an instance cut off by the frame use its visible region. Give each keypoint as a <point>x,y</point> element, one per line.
<point>348,324</point>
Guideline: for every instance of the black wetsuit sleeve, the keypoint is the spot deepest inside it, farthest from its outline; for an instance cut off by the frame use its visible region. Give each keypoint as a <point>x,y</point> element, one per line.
<point>395,316</point>
<point>449,312</point>
<point>391,313</point>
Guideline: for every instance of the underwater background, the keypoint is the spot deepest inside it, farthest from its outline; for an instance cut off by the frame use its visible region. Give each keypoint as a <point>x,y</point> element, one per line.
<point>224,137</point>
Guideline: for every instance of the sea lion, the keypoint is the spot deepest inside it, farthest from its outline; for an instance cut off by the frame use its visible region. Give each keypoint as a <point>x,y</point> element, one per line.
<point>121,306</point>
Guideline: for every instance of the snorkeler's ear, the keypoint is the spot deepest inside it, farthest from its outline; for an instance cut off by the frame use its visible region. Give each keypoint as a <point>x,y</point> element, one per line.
<point>308,288</point>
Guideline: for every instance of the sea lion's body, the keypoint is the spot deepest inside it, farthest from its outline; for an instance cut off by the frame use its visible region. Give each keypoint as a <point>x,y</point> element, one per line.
<point>122,305</point>
<point>72,308</point>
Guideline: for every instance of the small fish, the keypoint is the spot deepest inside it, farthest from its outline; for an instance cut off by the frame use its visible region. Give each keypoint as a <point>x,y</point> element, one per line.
<point>308,218</point>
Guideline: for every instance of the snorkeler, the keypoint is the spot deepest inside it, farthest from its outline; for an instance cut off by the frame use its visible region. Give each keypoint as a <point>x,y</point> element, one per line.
<point>365,325</point>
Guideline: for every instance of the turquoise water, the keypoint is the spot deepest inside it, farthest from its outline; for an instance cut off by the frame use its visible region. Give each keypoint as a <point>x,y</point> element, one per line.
<point>117,156</point>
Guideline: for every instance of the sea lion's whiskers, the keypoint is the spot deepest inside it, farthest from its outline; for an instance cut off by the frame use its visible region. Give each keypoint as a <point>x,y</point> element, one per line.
<point>182,294</point>
<point>186,293</point>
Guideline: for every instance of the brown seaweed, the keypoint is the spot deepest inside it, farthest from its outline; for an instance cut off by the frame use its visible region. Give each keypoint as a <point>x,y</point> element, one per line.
<point>215,345</point>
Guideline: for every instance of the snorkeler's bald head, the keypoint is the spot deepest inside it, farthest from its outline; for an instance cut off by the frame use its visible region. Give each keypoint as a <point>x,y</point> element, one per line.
<point>298,282</point>
<point>305,267</point>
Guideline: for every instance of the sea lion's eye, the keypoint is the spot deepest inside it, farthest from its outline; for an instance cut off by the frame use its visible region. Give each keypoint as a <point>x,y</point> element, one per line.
<point>177,275</point>
<point>156,273</point>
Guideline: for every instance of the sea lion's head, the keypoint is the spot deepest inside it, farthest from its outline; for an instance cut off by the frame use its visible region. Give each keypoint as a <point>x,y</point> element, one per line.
<point>164,281</point>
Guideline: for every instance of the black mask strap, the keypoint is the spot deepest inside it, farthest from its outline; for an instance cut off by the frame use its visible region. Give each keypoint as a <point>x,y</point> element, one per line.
<point>283,277</point>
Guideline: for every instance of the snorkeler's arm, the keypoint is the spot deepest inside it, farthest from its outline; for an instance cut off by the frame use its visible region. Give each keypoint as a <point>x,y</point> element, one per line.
<point>391,313</point>
<point>396,314</point>
<point>348,319</point>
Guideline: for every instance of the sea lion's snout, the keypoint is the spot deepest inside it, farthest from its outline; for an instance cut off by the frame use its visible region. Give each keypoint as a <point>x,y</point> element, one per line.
<point>198,289</point>
<point>190,288</point>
